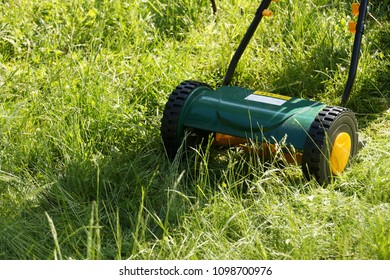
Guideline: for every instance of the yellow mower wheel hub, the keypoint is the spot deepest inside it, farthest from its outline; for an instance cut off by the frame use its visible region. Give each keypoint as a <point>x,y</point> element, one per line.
<point>339,155</point>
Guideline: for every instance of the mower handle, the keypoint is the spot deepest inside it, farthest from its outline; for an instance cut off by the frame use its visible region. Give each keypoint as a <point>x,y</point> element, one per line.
<point>356,51</point>
<point>245,41</point>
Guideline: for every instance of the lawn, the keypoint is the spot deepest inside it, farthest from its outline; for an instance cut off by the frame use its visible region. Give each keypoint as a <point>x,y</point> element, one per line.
<point>83,171</point>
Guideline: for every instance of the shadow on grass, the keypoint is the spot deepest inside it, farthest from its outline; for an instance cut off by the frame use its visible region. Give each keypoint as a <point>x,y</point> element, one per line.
<point>374,94</point>
<point>175,18</point>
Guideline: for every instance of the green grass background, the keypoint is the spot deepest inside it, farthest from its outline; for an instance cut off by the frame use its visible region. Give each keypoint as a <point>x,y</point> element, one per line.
<point>84,175</point>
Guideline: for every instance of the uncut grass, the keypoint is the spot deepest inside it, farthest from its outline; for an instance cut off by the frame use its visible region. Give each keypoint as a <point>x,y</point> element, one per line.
<point>84,175</point>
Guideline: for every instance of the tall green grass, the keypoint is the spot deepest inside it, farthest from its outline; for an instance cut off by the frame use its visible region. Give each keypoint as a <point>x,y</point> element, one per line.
<point>84,175</point>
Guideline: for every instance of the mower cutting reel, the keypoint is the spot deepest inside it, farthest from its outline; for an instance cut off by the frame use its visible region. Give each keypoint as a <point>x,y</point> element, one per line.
<point>323,138</point>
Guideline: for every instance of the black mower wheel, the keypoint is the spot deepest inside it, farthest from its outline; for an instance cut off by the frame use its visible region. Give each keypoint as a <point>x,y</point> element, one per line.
<point>331,143</point>
<point>171,115</point>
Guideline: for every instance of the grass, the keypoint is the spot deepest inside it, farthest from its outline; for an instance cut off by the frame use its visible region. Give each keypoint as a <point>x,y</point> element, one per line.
<point>83,173</point>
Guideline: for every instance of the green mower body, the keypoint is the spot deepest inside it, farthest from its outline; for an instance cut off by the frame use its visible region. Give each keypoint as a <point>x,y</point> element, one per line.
<point>325,137</point>
<point>245,113</point>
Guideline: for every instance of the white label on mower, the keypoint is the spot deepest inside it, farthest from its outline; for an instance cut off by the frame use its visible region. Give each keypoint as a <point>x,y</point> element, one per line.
<point>266,99</point>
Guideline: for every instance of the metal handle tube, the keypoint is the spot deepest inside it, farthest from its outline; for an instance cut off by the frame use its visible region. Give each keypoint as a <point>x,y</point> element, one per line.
<point>356,51</point>
<point>214,6</point>
<point>245,41</point>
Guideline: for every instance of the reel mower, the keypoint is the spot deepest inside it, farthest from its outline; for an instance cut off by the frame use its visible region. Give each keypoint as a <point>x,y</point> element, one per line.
<point>321,138</point>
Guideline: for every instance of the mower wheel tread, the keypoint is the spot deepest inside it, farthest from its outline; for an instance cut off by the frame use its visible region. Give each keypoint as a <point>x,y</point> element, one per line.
<point>315,161</point>
<point>171,115</point>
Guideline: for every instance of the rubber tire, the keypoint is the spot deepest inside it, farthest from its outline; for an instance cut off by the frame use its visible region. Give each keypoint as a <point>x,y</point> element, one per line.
<point>329,123</point>
<point>171,115</point>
